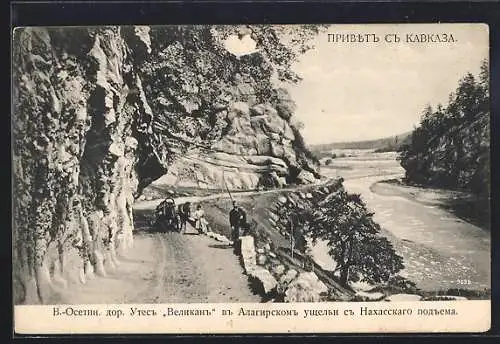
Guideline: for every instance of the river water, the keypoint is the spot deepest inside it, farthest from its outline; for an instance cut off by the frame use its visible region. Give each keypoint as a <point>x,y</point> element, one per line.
<point>440,250</point>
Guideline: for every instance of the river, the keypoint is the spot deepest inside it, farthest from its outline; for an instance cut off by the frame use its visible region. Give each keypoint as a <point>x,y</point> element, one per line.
<point>440,250</point>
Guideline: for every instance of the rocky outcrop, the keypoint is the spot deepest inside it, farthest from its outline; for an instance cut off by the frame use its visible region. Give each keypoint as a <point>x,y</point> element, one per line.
<point>218,117</point>
<point>273,278</point>
<point>265,280</point>
<point>215,170</point>
<point>451,146</point>
<point>248,254</point>
<point>403,297</point>
<point>305,288</point>
<point>256,150</point>
<point>368,296</point>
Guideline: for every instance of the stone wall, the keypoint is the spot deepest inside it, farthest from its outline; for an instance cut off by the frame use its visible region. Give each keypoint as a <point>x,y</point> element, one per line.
<point>271,276</point>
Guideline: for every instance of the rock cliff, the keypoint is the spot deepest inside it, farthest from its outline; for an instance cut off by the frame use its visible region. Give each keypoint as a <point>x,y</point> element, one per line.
<point>257,149</point>
<point>451,146</point>
<point>99,113</point>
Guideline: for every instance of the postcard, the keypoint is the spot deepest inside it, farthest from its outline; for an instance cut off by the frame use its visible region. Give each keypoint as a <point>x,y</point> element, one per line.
<point>251,179</point>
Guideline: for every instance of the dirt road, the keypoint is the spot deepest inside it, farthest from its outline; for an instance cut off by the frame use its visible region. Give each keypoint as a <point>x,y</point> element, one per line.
<point>169,268</point>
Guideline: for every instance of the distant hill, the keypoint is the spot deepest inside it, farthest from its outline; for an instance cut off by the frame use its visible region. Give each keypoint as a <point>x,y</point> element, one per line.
<point>386,144</point>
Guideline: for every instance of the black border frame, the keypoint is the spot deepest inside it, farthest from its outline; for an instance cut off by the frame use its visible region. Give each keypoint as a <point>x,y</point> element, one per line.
<point>37,13</point>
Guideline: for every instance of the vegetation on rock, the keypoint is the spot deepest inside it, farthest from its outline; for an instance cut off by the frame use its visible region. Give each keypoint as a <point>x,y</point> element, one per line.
<point>217,108</point>
<point>450,148</point>
<point>354,239</point>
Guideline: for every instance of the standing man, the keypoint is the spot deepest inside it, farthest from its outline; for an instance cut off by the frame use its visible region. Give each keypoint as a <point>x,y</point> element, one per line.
<point>184,213</point>
<point>237,220</point>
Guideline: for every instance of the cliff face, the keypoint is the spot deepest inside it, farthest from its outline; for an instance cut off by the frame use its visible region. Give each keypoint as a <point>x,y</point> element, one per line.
<point>99,113</point>
<point>451,147</point>
<point>73,154</point>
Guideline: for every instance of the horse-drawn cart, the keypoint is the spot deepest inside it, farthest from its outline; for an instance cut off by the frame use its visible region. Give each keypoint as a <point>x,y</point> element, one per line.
<point>166,217</point>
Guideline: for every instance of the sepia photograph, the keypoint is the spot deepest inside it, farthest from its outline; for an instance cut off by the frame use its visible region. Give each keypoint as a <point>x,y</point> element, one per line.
<point>251,164</point>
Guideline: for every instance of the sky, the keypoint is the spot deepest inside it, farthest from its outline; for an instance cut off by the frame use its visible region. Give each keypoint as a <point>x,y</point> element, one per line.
<point>362,91</point>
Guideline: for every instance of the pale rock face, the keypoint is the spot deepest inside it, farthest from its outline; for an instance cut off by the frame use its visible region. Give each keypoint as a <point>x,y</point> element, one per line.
<point>306,177</point>
<point>258,142</point>
<point>213,170</point>
<point>282,200</point>
<point>370,296</point>
<point>289,276</point>
<point>305,288</point>
<point>80,124</point>
<point>278,269</point>
<point>261,259</point>
<point>267,280</point>
<point>248,253</point>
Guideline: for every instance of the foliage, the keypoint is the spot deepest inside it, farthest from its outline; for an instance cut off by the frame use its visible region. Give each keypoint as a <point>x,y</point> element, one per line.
<point>450,147</point>
<point>392,145</point>
<point>353,237</point>
<point>268,180</point>
<point>401,284</point>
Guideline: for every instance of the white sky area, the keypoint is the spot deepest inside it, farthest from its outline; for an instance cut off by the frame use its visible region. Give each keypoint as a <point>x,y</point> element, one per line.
<point>361,91</point>
<point>239,47</point>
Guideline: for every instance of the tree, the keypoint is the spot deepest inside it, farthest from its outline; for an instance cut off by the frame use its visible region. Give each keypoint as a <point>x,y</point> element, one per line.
<point>353,238</point>
<point>331,214</point>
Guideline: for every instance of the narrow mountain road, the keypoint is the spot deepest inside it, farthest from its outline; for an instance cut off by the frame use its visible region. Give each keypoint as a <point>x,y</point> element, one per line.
<point>169,268</point>
<point>151,204</point>
<point>194,268</point>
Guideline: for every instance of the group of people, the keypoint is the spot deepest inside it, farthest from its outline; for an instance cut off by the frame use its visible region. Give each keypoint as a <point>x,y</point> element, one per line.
<point>237,219</point>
